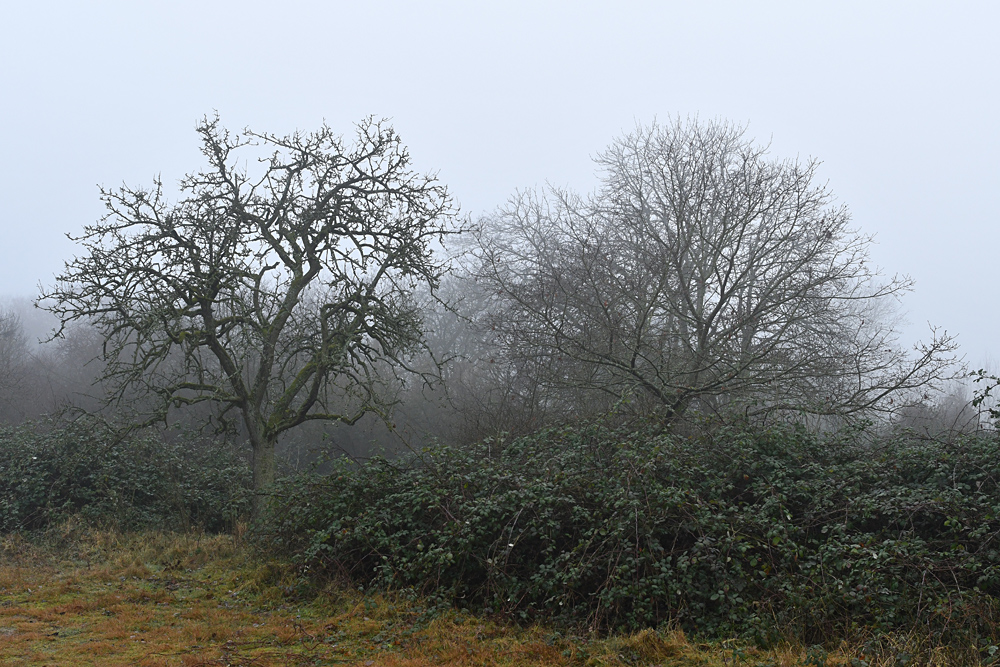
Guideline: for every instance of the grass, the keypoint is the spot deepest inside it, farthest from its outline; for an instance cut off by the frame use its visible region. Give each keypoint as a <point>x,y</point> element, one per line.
<point>85,597</point>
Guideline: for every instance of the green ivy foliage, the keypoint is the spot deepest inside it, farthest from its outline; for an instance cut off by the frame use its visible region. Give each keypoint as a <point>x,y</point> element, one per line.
<point>982,396</point>
<point>760,533</point>
<point>51,471</point>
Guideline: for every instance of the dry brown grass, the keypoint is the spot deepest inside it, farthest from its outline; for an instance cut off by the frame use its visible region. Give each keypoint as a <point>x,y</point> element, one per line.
<point>158,600</point>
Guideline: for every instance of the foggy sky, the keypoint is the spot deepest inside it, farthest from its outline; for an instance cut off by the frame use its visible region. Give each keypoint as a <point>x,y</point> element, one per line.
<point>898,99</point>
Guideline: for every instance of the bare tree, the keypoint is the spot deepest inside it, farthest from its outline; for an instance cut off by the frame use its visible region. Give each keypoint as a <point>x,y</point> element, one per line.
<point>14,358</point>
<point>702,273</point>
<point>487,394</point>
<point>942,414</point>
<point>278,285</point>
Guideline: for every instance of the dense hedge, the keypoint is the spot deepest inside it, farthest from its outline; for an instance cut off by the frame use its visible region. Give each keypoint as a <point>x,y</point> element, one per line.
<point>759,533</point>
<point>50,471</point>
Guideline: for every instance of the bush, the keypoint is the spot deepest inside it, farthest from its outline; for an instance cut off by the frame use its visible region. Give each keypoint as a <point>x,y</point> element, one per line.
<point>51,471</point>
<point>762,533</point>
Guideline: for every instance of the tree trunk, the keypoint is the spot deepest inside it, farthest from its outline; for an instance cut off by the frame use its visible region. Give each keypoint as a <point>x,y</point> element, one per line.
<point>263,465</point>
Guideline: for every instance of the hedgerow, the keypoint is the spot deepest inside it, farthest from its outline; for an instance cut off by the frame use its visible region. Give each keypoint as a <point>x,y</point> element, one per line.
<point>761,533</point>
<point>83,469</point>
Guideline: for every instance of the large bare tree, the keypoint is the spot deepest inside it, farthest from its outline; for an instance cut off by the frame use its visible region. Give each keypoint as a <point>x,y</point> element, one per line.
<point>279,285</point>
<point>701,273</point>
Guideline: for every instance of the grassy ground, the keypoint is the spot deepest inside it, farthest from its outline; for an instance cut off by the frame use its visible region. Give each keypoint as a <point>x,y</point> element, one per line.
<point>99,598</point>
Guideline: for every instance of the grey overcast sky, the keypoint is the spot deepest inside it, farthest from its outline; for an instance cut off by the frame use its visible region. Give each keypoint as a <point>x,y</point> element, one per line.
<point>898,99</point>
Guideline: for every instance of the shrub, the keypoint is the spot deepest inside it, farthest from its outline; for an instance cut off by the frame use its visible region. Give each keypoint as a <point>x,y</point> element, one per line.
<point>758,533</point>
<point>51,471</point>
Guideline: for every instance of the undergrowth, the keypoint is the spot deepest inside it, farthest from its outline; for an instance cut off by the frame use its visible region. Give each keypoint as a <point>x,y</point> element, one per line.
<point>768,535</point>
<point>50,471</point>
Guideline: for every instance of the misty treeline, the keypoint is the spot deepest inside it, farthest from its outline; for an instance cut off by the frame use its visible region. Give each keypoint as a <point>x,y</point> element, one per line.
<point>702,278</point>
<point>679,398</point>
<point>312,294</point>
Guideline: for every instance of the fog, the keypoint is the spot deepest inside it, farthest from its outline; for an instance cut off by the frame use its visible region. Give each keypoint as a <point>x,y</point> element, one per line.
<point>897,100</point>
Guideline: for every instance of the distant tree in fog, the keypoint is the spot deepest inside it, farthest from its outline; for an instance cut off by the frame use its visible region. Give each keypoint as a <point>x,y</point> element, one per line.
<point>941,414</point>
<point>37,379</point>
<point>282,293</point>
<point>14,358</point>
<point>701,274</point>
